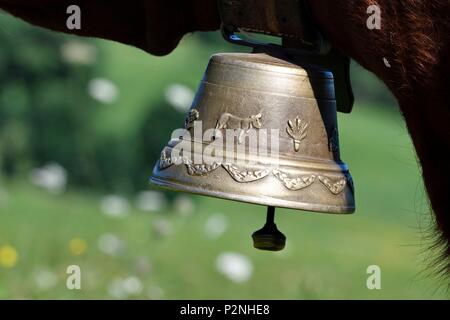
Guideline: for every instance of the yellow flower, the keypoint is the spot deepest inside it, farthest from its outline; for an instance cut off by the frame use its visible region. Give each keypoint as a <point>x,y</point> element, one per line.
<point>8,256</point>
<point>77,246</point>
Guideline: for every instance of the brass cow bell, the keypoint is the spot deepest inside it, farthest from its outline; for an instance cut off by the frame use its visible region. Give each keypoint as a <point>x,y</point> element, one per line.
<point>290,111</point>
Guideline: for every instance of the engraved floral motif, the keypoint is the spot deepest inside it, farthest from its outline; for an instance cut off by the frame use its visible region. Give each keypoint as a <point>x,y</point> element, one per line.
<point>244,175</point>
<point>297,130</point>
<point>335,187</point>
<point>296,183</point>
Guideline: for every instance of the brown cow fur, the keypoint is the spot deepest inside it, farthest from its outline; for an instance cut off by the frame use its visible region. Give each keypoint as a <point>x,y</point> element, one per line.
<point>415,39</point>
<point>155,26</point>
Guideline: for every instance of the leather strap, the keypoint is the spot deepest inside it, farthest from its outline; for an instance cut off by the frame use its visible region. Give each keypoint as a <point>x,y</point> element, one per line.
<point>281,18</point>
<point>290,20</point>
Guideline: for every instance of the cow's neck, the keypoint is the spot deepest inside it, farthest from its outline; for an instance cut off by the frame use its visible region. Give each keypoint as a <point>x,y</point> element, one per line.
<point>427,118</point>
<point>410,54</point>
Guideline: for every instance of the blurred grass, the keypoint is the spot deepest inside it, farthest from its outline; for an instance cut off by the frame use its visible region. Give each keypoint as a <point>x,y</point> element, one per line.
<point>326,255</point>
<point>143,79</point>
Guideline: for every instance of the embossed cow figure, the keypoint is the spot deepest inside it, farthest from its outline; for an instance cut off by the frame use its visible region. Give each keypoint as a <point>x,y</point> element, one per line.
<point>243,125</point>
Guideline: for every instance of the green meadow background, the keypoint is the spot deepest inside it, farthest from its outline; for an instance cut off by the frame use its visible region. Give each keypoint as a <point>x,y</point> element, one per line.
<point>82,122</point>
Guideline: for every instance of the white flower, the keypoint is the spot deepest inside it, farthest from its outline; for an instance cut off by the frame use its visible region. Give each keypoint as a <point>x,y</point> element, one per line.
<point>179,96</point>
<point>216,225</point>
<point>110,244</point>
<point>150,201</point>
<point>132,286</point>
<point>116,290</point>
<point>45,279</point>
<point>123,288</point>
<point>78,52</point>
<point>184,205</point>
<point>155,293</point>
<point>114,206</point>
<point>235,266</point>
<point>51,177</point>
<point>103,90</point>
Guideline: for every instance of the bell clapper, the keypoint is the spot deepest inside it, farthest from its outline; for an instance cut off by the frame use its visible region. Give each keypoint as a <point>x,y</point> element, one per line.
<point>269,237</point>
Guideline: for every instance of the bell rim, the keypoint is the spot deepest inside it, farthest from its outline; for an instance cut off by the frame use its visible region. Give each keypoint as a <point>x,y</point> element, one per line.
<point>256,200</point>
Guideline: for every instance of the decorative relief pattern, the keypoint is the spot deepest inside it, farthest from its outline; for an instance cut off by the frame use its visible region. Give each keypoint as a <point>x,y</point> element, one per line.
<point>335,187</point>
<point>244,175</point>
<point>164,160</point>
<point>192,116</point>
<point>200,169</point>
<point>297,130</point>
<point>294,184</point>
<point>243,125</point>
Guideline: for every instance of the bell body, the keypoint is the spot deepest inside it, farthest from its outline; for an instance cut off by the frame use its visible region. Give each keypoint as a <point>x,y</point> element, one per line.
<point>292,112</point>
